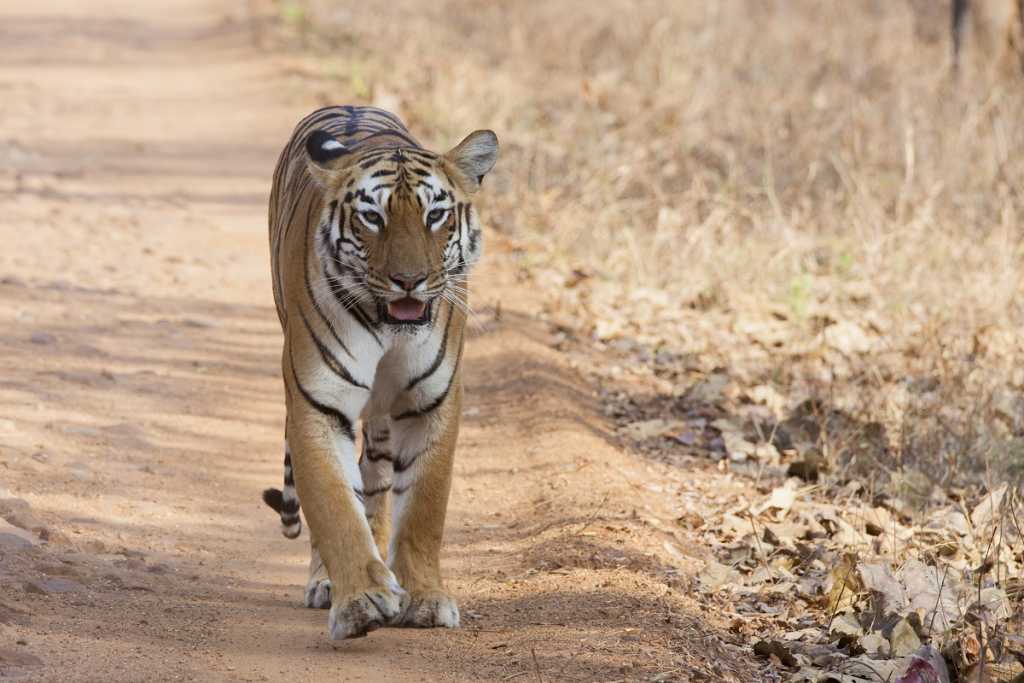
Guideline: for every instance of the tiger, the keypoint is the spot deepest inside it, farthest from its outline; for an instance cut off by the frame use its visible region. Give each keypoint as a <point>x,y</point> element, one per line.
<point>372,239</point>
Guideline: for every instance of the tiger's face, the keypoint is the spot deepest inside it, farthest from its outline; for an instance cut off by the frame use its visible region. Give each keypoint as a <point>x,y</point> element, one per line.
<point>398,229</point>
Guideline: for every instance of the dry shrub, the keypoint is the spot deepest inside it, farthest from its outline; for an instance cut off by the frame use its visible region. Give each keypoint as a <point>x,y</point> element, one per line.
<point>795,190</point>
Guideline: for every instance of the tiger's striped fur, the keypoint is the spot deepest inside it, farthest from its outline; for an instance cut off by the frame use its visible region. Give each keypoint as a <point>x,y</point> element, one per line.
<point>371,240</point>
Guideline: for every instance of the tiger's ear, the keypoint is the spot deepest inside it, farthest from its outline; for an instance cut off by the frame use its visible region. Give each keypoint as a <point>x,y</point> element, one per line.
<point>474,157</point>
<point>326,155</point>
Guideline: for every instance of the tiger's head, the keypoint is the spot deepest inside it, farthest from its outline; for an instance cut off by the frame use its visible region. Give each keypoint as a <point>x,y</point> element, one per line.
<point>398,229</point>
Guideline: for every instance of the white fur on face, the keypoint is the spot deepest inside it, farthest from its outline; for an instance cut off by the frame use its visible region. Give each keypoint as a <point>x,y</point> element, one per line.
<point>433,196</point>
<point>371,195</point>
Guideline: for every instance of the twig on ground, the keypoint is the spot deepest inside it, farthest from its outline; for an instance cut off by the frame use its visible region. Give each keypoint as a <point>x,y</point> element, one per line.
<point>536,665</point>
<point>938,600</point>
<point>757,539</point>
<point>593,516</point>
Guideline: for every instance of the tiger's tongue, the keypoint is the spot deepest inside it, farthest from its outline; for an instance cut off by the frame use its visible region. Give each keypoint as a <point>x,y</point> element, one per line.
<point>406,309</point>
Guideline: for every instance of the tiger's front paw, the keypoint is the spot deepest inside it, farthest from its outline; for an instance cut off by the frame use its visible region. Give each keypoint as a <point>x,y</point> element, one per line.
<point>428,609</point>
<point>356,614</point>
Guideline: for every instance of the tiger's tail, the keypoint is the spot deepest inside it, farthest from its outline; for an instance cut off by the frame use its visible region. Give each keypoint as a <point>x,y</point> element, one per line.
<point>286,501</point>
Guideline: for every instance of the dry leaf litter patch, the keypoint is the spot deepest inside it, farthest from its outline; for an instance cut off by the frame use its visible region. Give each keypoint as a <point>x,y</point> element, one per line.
<point>840,549</point>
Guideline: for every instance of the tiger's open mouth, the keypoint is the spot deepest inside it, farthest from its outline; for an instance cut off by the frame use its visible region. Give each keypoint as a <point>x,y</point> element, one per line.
<point>406,311</point>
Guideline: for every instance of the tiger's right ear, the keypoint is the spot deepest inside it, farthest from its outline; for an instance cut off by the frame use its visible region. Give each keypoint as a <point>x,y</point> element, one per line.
<point>326,155</point>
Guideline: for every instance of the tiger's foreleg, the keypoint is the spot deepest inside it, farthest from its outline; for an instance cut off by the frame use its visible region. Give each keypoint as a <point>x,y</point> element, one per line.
<point>376,469</point>
<point>364,593</point>
<point>424,449</point>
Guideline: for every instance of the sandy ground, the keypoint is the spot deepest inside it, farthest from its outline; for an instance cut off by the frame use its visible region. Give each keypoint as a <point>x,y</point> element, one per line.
<point>141,408</point>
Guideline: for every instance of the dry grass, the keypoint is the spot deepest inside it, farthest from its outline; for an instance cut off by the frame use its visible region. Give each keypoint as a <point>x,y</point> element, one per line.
<point>793,190</point>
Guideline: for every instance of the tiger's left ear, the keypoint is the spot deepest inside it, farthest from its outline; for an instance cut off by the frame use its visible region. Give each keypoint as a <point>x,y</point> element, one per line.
<point>326,155</point>
<point>474,157</point>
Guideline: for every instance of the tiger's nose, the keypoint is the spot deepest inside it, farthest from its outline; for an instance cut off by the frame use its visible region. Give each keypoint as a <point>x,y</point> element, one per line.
<point>408,281</point>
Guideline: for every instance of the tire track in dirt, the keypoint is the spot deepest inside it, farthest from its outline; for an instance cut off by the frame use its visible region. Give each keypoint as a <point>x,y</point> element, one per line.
<point>141,409</point>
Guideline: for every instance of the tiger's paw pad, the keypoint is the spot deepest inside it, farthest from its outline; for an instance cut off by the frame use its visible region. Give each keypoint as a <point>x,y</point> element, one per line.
<point>429,610</point>
<point>318,594</point>
<point>357,615</point>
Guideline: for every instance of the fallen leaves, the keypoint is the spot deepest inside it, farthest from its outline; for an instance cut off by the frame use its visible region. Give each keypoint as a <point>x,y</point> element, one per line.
<point>884,603</point>
<point>856,583</point>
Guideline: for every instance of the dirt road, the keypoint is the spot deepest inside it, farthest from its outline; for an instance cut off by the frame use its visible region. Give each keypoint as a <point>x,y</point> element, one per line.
<point>141,408</point>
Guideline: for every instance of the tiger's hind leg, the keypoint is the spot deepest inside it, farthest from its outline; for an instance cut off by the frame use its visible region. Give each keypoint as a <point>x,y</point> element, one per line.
<point>318,588</point>
<point>285,501</point>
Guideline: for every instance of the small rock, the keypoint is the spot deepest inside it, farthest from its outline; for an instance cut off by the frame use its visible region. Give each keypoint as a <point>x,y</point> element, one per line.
<point>42,338</point>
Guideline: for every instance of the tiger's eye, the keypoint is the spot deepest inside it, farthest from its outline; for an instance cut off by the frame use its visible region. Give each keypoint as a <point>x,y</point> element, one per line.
<point>372,217</point>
